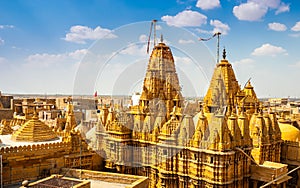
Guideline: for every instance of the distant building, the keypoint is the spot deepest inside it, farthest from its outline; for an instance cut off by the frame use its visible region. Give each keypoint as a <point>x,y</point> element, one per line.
<point>278,101</point>
<point>6,111</point>
<point>35,151</point>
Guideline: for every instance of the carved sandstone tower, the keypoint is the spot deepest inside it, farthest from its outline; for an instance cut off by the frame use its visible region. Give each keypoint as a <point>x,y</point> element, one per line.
<point>161,81</point>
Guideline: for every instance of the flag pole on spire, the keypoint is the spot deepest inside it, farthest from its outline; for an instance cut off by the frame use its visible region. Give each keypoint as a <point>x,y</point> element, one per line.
<point>152,27</point>
<point>218,43</point>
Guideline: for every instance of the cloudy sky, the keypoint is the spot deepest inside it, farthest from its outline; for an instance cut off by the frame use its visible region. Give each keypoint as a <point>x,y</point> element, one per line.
<point>46,46</point>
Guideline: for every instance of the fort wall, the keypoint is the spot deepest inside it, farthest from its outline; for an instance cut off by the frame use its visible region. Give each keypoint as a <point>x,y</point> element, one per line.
<point>38,161</point>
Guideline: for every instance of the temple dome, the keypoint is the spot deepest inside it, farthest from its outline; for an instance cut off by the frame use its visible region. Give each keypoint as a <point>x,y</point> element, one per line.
<point>289,132</point>
<point>34,130</point>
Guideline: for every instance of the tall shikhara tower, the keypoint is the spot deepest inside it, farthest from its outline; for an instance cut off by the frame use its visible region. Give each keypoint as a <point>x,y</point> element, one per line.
<point>161,81</point>
<point>225,95</point>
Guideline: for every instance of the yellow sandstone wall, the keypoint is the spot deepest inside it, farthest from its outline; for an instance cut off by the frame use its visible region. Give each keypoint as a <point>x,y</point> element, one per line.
<point>32,162</point>
<point>38,161</point>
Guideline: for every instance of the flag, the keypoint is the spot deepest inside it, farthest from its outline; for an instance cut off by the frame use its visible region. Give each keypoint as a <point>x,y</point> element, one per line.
<point>96,94</point>
<point>206,39</point>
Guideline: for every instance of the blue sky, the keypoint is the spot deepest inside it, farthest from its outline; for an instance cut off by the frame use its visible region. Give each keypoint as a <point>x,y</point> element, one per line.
<point>44,42</point>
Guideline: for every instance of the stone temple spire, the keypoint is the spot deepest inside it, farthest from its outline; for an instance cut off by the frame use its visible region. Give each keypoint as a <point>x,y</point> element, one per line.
<point>161,81</point>
<point>70,117</point>
<point>223,87</point>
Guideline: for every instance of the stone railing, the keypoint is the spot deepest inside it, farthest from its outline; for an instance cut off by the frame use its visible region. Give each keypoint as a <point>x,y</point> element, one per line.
<point>48,147</point>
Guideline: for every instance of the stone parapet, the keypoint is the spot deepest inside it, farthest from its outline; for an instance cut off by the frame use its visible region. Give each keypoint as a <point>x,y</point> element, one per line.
<point>36,148</point>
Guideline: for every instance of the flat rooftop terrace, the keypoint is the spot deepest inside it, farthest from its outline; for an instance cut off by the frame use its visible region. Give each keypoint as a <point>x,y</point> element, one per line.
<point>107,179</point>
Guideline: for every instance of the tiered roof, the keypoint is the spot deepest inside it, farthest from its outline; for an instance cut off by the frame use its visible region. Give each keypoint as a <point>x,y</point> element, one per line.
<point>34,130</point>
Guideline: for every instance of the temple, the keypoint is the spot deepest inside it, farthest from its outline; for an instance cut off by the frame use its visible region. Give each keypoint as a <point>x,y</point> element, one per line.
<point>230,139</point>
<point>175,147</point>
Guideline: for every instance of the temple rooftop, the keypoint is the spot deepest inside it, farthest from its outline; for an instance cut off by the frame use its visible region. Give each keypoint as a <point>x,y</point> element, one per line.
<point>34,130</point>
<point>8,142</point>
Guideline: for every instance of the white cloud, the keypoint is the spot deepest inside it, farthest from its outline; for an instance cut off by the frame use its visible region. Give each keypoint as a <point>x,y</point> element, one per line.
<point>269,50</point>
<point>246,61</point>
<point>219,27</point>
<point>296,35</point>
<point>143,38</point>
<point>186,18</point>
<point>254,10</point>
<point>6,26</point>
<point>208,4</point>
<point>78,54</point>
<point>47,60</point>
<point>267,3</point>
<point>158,27</point>
<point>1,41</point>
<point>249,11</point>
<point>277,26</point>
<point>182,41</point>
<point>135,50</point>
<point>14,47</point>
<point>182,60</point>
<point>203,31</point>
<point>297,65</point>
<point>80,34</point>
<point>48,72</point>
<point>296,27</point>
<point>282,8</point>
